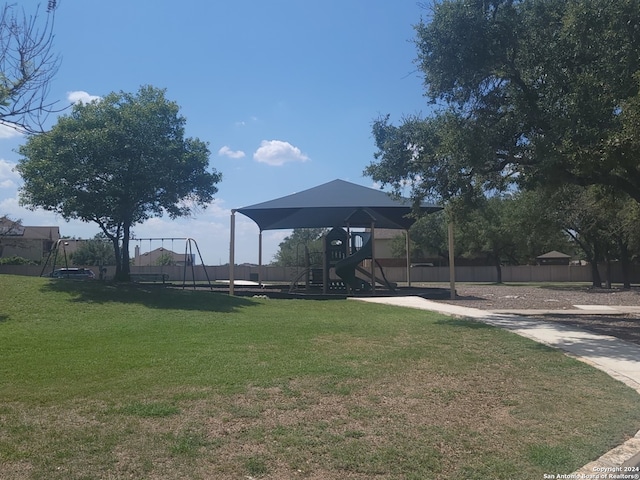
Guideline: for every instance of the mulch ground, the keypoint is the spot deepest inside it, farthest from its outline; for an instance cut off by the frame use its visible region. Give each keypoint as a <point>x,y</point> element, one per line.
<point>558,299</point>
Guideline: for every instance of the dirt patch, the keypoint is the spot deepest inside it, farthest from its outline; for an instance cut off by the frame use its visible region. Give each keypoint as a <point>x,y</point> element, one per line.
<point>498,297</point>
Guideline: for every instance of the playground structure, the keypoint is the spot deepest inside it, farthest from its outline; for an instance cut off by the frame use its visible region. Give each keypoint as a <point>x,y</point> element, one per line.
<point>344,252</point>
<point>144,267</point>
<point>335,204</point>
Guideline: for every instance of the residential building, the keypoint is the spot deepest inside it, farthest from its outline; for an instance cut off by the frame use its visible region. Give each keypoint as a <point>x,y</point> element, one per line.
<point>161,256</point>
<point>32,243</point>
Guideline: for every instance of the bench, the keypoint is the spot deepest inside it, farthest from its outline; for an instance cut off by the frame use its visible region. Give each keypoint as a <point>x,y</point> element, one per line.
<point>149,277</point>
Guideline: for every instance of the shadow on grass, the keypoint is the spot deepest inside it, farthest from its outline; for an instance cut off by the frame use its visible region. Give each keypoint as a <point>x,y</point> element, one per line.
<point>149,296</point>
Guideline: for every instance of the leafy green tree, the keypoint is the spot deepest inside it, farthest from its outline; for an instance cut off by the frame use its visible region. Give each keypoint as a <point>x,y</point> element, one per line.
<point>16,260</point>
<point>514,229</point>
<point>428,237</point>
<point>118,162</point>
<point>603,223</point>
<point>621,217</point>
<point>536,225</point>
<point>97,251</point>
<point>629,214</point>
<point>166,259</point>
<point>528,92</point>
<point>488,231</point>
<point>304,244</point>
<point>585,224</point>
<point>504,229</point>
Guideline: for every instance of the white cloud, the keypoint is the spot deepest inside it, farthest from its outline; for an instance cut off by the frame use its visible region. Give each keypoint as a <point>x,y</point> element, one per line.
<point>243,123</point>
<point>227,152</point>
<point>80,96</point>
<point>8,132</point>
<point>9,206</point>
<point>216,209</point>
<point>8,178</point>
<point>276,153</point>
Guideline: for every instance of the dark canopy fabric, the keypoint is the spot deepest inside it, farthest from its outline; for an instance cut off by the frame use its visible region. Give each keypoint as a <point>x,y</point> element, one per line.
<point>334,204</point>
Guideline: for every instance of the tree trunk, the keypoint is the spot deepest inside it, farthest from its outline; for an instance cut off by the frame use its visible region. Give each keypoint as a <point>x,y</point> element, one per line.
<point>498,269</point>
<point>592,253</point>
<point>116,251</point>
<point>625,264</point>
<point>125,271</point>
<point>596,281</point>
<point>608,280</point>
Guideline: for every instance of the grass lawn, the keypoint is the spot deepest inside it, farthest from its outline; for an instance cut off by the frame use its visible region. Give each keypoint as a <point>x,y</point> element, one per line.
<point>99,381</point>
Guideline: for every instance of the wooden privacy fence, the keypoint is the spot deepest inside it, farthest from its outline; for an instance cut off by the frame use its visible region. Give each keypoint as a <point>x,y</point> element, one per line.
<point>523,273</point>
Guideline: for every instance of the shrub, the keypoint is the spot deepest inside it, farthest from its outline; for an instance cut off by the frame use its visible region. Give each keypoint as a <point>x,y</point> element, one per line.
<point>16,260</point>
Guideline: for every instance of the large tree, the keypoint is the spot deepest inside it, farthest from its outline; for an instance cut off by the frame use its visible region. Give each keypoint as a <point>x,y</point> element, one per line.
<point>96,251</point>
<point>602,222</point>
<point>428,237</point>
<point>303,246</point>
<point>526,91</point>
<point>118,162</point>
<point>27,66</point>
<point>509,229</point>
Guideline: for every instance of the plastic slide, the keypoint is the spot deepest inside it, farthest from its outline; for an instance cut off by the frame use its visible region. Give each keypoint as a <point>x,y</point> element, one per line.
<point>346,268</point>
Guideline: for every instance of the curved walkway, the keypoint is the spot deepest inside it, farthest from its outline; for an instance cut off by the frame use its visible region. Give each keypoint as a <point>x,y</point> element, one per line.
<point>618,358</point>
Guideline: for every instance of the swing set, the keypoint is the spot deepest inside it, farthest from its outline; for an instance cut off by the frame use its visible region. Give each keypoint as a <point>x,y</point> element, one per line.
<point>163,259</point>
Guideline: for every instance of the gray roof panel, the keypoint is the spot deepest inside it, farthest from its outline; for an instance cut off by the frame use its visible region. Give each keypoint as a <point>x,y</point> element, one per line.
<point>335,204</point>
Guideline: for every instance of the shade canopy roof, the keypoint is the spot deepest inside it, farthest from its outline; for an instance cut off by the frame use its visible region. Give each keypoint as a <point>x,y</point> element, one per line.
<point>335,204</point>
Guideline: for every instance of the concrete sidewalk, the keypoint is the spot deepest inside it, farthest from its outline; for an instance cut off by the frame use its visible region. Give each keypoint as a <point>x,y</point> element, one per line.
<point>618,358</point>
<point>578,310</point>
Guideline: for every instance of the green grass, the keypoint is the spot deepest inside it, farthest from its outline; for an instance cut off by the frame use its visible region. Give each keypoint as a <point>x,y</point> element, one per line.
<point>99,381</point>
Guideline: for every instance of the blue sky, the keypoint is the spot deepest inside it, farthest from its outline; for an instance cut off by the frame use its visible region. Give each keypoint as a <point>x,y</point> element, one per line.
<point>284,92</point>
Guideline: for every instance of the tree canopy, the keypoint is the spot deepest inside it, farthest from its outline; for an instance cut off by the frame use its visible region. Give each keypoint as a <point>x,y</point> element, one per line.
<point>302,246</point>
<point>96,251</point>
<point>593,223</point>
<point>526,92</point>
<point>117,162</point>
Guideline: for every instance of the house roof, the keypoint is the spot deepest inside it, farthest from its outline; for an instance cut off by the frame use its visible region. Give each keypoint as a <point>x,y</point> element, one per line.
<point>35,233</point>
<point>553,254</point>
<point>161,251</point>
<point>45,233</point>
<point>335,204</point>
